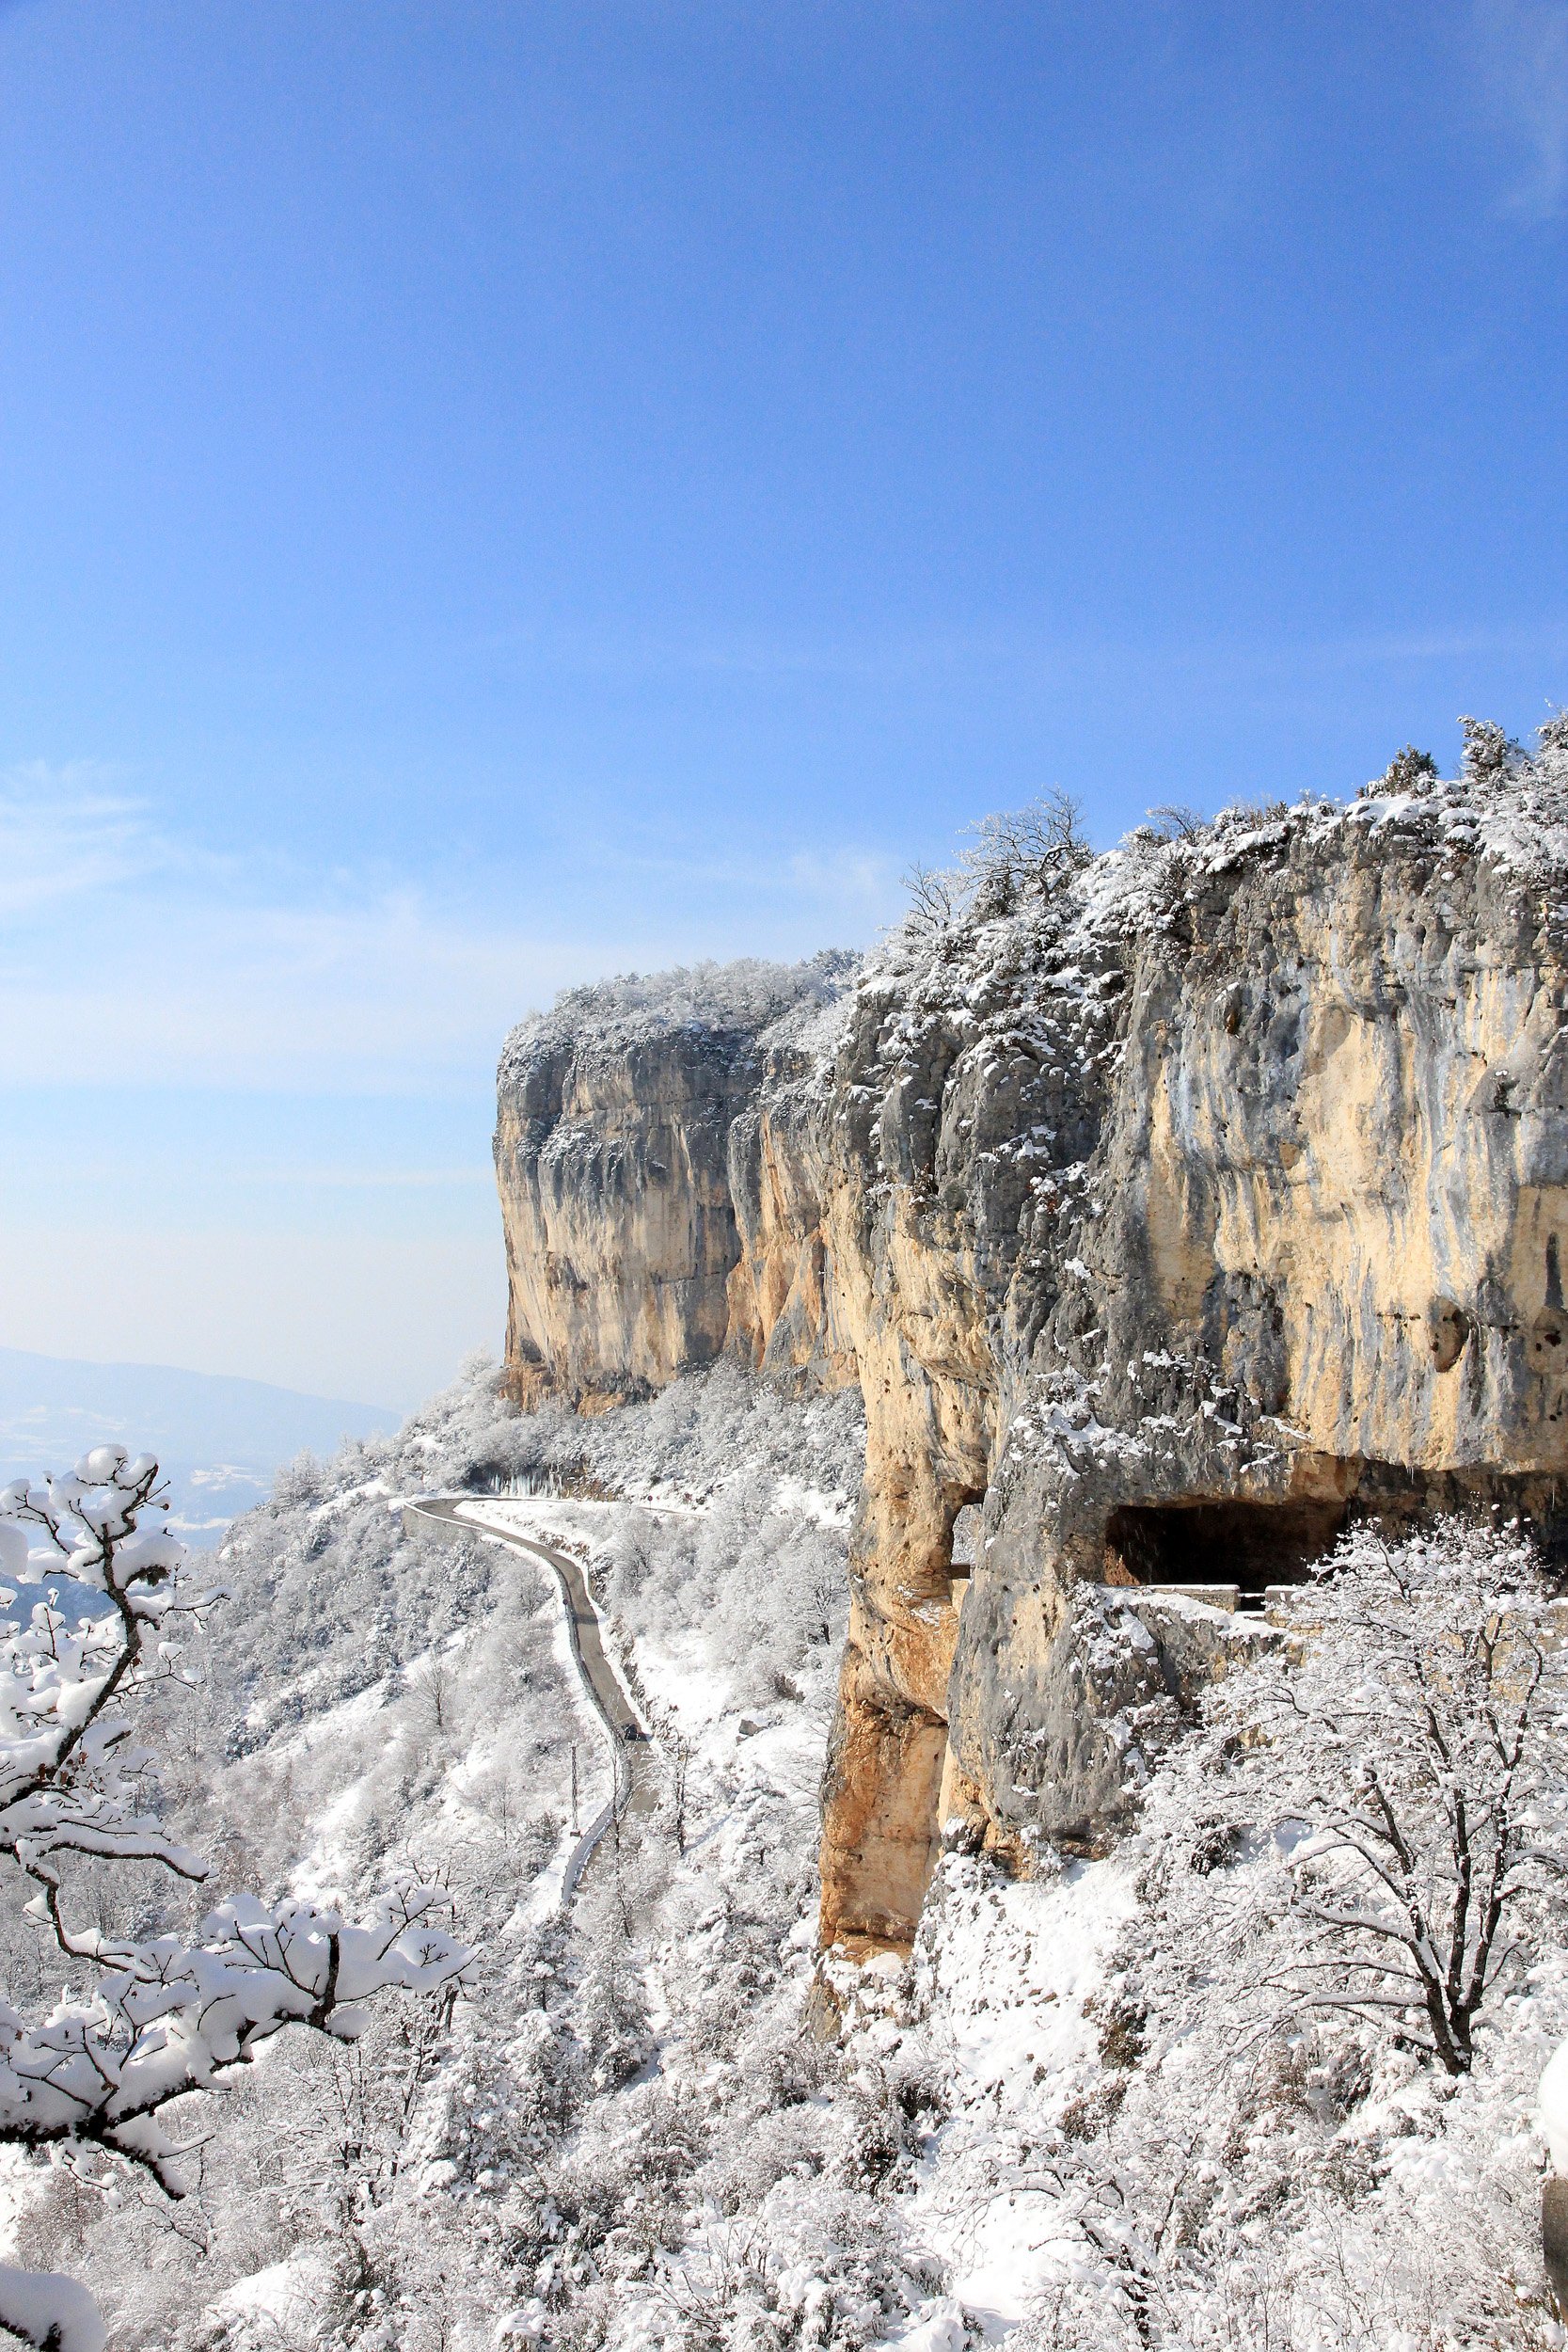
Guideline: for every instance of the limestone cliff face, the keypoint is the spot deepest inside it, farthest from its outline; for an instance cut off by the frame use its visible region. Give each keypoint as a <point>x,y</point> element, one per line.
<point>1173,1206</point>
<point>613,1119</point>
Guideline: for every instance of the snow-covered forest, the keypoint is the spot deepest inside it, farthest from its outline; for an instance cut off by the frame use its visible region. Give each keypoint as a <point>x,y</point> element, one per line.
<point>1265,2073</point>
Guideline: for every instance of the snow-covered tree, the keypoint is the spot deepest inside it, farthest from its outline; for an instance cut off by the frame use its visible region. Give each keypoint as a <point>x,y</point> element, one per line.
<point>158,2017</point>
<point>1403,1751</point>
<point>1351,1872</point>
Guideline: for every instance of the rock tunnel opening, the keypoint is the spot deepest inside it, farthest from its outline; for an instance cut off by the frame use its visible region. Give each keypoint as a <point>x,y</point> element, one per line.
<point>964,1539</point>
<point>1204,1544</point>
<point>1215,1542</point>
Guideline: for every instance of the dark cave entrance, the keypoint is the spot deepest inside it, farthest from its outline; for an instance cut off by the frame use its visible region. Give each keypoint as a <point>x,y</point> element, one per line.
<point>1250,1545</point>
<point>1212,1541</point>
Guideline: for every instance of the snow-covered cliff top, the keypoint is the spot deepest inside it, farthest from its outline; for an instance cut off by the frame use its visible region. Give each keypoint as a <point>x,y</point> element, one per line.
<point>742,998</point>
<point>1030,896</point>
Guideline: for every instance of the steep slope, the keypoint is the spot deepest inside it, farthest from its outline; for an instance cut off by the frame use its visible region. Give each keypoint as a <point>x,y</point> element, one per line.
<point>627,2046</point>
<point>1175,1206</point>
<point>1045,2129</point>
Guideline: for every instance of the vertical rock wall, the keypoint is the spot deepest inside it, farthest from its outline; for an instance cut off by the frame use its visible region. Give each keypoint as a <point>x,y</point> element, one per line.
<point>614,1114</point>
<point>619,1231</point>
<point>1176,1205</point>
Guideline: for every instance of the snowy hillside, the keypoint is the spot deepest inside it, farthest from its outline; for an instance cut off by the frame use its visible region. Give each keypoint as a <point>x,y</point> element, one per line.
<point>644,2125</point>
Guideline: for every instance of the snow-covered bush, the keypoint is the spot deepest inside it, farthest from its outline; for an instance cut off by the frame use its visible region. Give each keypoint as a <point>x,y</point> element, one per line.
<point>1405,1774</point>
<point>1028,882</point>
<point>1016,855</point>
<point>1491,752</point>
<point>701,1432</point>
<point>766,1585</point>
<point>158,2016</point>
<point>1325,2024</point>
<point>748,995</point>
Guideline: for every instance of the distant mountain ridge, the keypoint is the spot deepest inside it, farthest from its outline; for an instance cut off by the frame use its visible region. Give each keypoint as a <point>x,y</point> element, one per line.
<point>219,1439</point>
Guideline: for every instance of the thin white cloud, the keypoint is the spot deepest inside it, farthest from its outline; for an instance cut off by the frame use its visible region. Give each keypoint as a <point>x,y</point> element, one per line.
<point>1522,46</point>
<point>65,833</point>
<point>860,881</point>
<point>852,884</point>
<point>127,958</point>
<point>346,997</point>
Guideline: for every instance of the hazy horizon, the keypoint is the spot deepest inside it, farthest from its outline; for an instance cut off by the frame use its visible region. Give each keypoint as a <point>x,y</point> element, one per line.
<point>219,1439</point>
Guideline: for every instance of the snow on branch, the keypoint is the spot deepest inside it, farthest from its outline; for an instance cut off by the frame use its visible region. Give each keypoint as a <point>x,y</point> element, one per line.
<point>1401,1754</point>
<point>46,2309</point>
<point>165,2015</point>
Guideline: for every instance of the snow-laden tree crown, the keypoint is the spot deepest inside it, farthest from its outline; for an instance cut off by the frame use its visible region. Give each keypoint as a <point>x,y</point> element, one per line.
<point>106,2079</point>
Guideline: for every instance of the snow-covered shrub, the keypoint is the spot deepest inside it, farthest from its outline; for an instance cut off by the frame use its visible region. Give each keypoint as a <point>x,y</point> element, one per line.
<point>814,2266</point>
<point>700,1432</point>
<point>1347,1968</point>
<point>1490,752</point>
<point>148,2019</point>
<point>1016,856</point>
<point>1395,1773</point>
<point>765,1584</point>
<point>1409,770</point>
<point>747,996</point>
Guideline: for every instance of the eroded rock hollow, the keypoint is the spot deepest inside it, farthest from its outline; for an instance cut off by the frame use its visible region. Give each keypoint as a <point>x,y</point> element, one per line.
<point>1169,1207</point>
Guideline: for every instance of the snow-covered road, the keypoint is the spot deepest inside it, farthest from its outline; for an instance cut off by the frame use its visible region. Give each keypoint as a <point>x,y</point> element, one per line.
<point>448,1518</point>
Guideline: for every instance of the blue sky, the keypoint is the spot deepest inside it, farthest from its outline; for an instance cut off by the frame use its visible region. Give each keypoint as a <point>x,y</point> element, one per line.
<point>494,494</point>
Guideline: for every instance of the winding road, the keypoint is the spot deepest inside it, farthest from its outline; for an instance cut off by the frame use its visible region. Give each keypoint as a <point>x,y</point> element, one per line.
<point>447,1518</point>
